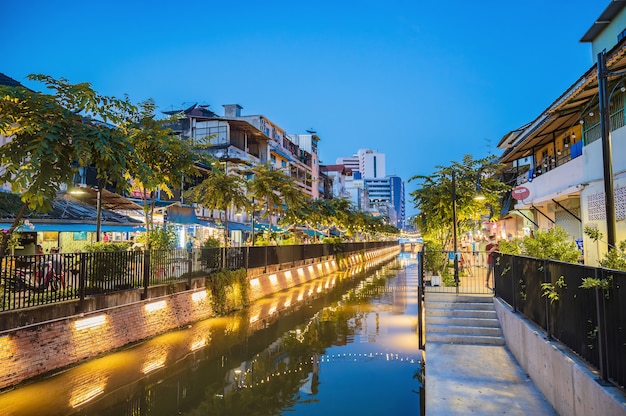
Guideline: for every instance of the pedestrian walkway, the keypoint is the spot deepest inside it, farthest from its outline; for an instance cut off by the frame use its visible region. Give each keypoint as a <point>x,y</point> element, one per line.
<point>470,372</point>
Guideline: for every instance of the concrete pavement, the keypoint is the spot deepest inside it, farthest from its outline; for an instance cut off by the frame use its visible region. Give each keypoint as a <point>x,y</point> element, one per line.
<point>466,379</point>
<point>468,371</point>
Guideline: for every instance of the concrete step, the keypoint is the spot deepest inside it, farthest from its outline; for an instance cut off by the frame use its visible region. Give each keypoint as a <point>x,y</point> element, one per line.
<point>464,330</point>
<point>458,305</point>
<point>462,313</point>
<point>451,297</point>
<point>464,339</point>
<point>460,321</point>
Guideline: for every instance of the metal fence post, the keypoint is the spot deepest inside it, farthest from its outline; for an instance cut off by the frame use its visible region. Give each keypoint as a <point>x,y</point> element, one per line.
<point>546,279</point>
<point>190,256</point>
<point>600,315</point>
<point>146,273</point>
<point>82,268</point>
<point>513,274</point>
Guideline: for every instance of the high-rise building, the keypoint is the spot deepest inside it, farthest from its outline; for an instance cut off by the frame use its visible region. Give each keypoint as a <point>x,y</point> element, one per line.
<point>368,187</point>
<point>371,163</point>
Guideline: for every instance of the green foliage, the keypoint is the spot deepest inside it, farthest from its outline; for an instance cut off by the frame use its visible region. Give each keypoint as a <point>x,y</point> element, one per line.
<point>100,247</point>
<point>514,247</point>
<point>433,196</point>
<point>162,157</point>
<point>160,238</point>
<point>100,268</point>
<point>435,258</point>
<point>221,189</point>
<point>593,233</point>
<point>52,135</point>
<point>229,290</point>
<point>212,243</point>
<point>553,244</point>
<point>550,290</point>
<point>615,258</point>
<point>593,283</point>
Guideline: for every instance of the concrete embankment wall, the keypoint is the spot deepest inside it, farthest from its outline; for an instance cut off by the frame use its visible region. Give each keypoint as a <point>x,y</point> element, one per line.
<point>32,350</point>
<point>570,386</point>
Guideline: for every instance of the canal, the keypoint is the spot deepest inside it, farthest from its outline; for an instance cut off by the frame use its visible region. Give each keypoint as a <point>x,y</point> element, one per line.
<point>343,344</point>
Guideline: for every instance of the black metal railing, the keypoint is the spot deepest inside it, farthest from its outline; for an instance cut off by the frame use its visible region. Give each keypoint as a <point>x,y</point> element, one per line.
<point>589,321</point>
<point>472,266</point>
<point>33,280</point>
<point>421,322</point>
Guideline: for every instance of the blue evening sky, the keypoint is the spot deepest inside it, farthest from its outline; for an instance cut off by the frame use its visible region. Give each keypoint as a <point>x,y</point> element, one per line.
<point>423,81</point>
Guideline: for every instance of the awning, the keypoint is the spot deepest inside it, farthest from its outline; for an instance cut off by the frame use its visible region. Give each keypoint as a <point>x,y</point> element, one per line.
<point>232,226</point>
<point>181,215</point>
<point>78,227</point>
<point>263,227</point>
<point>312,233</point>
<point>237,226</point>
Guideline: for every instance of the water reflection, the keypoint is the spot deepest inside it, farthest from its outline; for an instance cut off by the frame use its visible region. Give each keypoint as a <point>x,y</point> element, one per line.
<point>343,344</point>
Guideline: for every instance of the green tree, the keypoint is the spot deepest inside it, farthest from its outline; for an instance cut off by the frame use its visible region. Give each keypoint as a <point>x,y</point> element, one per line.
<point>221,190</point>
<point>164,161</point>
<point>274,192</point>
<point>433,197</point>
<point>52,135</point>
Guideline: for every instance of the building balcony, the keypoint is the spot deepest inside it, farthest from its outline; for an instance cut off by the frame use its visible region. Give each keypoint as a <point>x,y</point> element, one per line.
<point>554,182</point>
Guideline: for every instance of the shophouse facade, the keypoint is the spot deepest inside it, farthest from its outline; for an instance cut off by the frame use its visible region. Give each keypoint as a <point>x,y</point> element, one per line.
<point>556,163</point>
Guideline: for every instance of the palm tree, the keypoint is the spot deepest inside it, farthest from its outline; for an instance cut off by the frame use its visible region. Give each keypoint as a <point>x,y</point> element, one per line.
<point>274,190</point>
<point>221,190</point>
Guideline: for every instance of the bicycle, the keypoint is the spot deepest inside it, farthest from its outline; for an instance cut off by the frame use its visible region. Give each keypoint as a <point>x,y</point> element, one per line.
<point>21,278</point>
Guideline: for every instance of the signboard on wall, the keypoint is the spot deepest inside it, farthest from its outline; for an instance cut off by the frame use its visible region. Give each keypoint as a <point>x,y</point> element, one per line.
<point>521,193</point>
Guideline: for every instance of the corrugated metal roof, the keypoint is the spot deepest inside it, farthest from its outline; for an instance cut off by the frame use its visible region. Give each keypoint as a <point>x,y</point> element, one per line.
<point>5,80</point>
<point>566,110</point>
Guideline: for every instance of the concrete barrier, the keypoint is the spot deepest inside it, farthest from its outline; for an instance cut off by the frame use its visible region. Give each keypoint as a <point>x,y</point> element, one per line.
<point>571,386</point>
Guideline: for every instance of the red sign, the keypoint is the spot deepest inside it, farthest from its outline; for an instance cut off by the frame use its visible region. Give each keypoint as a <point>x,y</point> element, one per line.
<point>521,192</point>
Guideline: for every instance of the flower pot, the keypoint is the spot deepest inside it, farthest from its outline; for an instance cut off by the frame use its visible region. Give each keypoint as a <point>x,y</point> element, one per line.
<point>435,280</point>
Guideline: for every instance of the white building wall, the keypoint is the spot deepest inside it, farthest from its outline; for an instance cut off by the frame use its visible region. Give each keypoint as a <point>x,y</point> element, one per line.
<point>371,163</point>
<point>351,163</point>
<point>593,197</point>
<point>608,38</point>
<point>555,183</point>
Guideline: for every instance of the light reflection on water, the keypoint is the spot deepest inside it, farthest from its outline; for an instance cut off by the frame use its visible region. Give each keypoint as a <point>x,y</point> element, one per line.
<point>345,343</point>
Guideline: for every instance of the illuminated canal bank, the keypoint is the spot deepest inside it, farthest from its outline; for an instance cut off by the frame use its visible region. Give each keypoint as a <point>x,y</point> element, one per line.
<point>345,343</point>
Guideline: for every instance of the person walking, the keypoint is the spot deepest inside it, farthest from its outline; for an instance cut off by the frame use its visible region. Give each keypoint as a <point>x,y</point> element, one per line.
<point>491,247</point>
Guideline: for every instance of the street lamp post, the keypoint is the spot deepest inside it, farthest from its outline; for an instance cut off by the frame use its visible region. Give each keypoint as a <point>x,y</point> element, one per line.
<point>609,200</point>
<point>454,226</point>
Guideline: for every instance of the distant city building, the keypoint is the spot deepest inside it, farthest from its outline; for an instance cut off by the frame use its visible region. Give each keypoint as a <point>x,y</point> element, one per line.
<point>371,163</point>
<point>362,178</point>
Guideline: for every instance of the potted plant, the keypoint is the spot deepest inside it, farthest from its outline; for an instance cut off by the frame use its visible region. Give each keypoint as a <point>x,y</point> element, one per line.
<point>435,260</point>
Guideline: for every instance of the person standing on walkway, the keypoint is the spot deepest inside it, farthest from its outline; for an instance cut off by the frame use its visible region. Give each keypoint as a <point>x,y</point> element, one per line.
<point>491,247</point>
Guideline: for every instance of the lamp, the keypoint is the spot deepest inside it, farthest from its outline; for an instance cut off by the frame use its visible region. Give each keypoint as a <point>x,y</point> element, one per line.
<point>456,260</point>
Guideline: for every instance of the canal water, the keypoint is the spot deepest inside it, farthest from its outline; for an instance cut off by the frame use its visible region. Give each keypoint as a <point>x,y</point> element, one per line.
<point>344,344</point>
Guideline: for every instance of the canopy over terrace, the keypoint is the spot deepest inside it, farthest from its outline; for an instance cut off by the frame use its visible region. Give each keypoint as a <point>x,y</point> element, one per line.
<point>67,214</point>
<point>564,113</point>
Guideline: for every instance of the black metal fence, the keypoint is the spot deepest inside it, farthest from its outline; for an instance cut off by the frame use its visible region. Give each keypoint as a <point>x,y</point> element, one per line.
<point>33,280</point>
<point>589,321</point>
<point>472,272</point>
